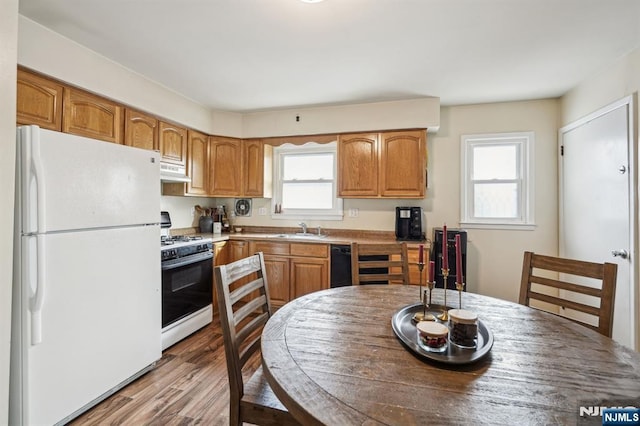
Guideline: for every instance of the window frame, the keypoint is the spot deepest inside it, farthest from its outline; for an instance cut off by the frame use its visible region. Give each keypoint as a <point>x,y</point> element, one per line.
<point>279,152</point>
<point>524,143</point>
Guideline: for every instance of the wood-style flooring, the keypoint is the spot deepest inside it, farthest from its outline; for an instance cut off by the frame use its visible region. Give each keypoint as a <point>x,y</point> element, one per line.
<point>188,386</point>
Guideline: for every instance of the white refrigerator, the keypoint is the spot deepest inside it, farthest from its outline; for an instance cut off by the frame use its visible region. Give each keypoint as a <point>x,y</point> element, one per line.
<point>86,309</point>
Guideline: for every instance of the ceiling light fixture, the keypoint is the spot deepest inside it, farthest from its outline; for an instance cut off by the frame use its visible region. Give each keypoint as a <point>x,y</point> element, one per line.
<point>311,1</point>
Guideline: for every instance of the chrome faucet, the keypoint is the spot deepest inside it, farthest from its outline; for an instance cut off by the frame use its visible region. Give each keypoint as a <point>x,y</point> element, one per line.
<point>304,227</point>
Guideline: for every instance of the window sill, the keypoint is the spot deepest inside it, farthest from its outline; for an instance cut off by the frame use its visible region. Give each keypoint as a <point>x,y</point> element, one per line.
<point>505,226</point>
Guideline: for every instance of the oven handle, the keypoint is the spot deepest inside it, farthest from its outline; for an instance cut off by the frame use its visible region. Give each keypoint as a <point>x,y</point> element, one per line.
<point>187,260</point>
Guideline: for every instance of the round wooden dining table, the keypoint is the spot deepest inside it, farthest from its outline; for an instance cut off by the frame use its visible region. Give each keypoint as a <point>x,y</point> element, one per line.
<point>333,358</point>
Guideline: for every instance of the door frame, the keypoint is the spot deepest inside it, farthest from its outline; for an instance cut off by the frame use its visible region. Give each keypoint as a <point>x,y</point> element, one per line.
<point>634,193</point>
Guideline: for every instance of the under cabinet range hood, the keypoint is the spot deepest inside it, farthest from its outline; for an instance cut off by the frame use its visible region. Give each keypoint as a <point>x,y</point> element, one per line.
<point>173,173</point>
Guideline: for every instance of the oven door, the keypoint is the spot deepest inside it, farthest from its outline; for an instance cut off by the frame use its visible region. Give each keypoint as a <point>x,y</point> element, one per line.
<point>187,286</point>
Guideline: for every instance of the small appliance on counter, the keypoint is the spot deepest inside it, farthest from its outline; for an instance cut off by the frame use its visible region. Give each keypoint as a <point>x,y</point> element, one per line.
<point>409,224</point>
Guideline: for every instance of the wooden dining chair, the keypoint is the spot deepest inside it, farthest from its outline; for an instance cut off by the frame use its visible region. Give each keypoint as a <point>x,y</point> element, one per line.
<point>243,299</point>
<point>605,295</point>
<point>391,260</point>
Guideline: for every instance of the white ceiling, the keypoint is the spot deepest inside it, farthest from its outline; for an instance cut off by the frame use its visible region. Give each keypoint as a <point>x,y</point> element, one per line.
<point>249,55</point>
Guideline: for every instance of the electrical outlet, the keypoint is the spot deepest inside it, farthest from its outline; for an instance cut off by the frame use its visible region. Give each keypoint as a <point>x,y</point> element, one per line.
<point>353,212</point>
<point>193,212</point>
<point>262,211</point>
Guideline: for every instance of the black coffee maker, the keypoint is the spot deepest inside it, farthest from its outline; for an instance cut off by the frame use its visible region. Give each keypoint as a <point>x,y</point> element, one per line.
<point>409,224</point>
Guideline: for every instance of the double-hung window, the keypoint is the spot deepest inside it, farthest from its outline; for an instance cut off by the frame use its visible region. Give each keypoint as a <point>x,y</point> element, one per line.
<point>305,182</point>
<point>497,183</point>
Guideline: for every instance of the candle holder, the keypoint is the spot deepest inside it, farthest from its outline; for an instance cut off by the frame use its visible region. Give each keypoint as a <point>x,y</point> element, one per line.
<point>444,316</point>
<point>420,268</point>
<point>424,316</point>
<point>459,287</point>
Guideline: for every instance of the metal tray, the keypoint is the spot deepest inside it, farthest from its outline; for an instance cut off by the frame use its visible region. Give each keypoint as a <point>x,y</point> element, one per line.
<point>405,329</point>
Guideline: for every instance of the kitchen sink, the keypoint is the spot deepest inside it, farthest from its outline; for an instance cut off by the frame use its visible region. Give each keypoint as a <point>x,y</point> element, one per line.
<point>300,235</point>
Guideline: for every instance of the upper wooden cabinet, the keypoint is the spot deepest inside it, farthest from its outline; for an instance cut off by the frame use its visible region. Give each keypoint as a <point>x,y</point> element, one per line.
<point>358,165</point>
<point>225,170</point>
<point>387,164</point>
<point>173,143</point>
<point>140,130</point>
<point>89,115</point>
<point>256,169</point>
<point>403,164</point>
<point>197,163</point>
<point>39,101</point>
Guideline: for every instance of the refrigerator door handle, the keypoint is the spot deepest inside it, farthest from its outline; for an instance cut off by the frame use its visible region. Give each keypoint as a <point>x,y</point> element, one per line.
<point>38,177</point>
<point>37,300</point>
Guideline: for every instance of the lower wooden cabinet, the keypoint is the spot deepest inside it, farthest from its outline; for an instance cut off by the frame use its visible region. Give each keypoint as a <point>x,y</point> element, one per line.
<point>293,269</point>
<point>278,272</point>
<point>308,275</point>
<point>220,257</point>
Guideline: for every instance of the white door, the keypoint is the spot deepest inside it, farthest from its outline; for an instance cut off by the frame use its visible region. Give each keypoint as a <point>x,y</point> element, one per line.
<point>596,187</point>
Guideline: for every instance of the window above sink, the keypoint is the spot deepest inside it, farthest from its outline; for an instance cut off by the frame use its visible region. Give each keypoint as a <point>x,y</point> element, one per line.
<point>305,183</point>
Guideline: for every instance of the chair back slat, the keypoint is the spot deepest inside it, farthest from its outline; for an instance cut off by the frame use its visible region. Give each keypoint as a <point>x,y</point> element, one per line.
<point>605,273</point>
<point>394,259</point>
<point>563,285</point>
<point>244,290</point>
<point>254,325</point>
<point>249,308</point>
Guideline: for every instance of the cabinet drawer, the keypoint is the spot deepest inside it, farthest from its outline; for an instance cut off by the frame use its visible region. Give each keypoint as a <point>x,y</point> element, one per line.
<point>311,250</point>
<point>269,248</point>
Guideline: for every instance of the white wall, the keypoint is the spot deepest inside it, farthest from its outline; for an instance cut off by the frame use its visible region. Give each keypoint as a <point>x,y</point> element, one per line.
<point>494,260</point>
<point>613,82</point>
<point>48,52</point>
<point>8,54</point>
<point>406,114</point>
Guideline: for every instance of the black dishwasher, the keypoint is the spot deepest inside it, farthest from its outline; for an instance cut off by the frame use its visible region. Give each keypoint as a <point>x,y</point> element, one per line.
<point>341,266</point>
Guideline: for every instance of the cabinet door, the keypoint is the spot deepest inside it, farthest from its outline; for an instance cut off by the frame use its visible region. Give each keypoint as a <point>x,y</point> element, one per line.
<point>173,143</point>
<point>225,157</point>
<point>238,250</point>
<point>140,130</point>
<point>358,165</point>
<point>220,256</point>
<point>403,164</point>
<point>253,168</point>
<point>308,275</point>
<point>198,163</point>
<point>277,279</point>
<point>91,116</point>
<point>39,101</point>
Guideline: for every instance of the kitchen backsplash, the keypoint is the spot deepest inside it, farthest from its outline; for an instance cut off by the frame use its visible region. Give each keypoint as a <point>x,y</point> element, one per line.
<point>369,214</point>
<point>180,209</point>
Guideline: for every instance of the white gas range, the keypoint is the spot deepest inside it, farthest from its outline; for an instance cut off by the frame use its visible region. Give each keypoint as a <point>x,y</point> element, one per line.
<point>187,284</point>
